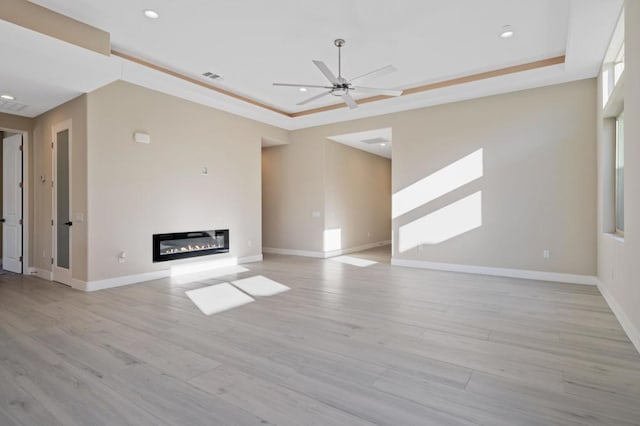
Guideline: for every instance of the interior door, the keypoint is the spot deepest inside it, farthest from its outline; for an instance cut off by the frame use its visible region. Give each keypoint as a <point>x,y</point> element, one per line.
<point>12,203</point>
<point>62,224</point>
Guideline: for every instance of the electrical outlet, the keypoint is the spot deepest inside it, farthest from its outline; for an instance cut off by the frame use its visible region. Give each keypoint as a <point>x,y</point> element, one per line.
<point>545,254</point>
<point>249,243</point>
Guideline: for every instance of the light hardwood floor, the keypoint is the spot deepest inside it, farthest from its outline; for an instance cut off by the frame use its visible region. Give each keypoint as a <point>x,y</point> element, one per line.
<point>346,345</point>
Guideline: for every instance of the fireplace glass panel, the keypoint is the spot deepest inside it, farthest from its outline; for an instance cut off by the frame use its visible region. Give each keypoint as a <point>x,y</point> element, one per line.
<point>189,244</point>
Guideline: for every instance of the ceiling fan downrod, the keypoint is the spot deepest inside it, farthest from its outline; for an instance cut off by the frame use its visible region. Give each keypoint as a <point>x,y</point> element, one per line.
<point>340,86</point>
<point>339,42</point>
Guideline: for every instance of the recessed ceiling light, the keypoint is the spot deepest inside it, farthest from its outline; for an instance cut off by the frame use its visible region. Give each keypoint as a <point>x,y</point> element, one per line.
<point>383,144</point>
<point>151,14</point>
<point>8,97</point>
<point>507,32</point>
<point>303,89</point>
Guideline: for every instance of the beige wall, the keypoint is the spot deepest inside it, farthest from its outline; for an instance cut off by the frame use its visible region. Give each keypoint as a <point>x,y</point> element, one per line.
<point>15,122</point>
<point>357,195</point>
<point>618,260</point>
<point>138,190</point>
<point>346,188</point>
<point>538,182</point>
<point>292,189</point>
<point>76,111</point>
<point>45,21</point>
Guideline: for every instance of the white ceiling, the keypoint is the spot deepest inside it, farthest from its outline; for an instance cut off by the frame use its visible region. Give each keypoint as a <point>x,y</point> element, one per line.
<point>363,141</point>
<point>253,43</point>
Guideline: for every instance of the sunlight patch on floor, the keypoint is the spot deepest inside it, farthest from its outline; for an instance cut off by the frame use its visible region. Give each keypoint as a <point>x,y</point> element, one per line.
<point>355,261</point>
<point>260,286</point>
<point>218,298</point>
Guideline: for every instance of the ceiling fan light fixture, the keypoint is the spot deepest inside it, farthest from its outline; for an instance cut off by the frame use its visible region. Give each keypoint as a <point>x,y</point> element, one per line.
<point>339,86</point>
<point>151,14</point>
<point>507,32</point>
<point>339,91</point>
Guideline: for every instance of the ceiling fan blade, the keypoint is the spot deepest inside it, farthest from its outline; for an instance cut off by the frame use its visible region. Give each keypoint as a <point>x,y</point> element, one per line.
<point>313,86</point>
<point>349,100</point>
<point>387,92</point>
<point>324,69</point>
<point>313,98</point>
<point>376,73</point>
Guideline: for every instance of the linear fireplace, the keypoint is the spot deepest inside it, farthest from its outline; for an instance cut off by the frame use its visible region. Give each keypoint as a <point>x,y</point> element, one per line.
<point>180,245</point>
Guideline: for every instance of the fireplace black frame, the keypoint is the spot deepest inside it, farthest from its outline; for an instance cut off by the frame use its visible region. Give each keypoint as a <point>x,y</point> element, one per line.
<point>159,238</point>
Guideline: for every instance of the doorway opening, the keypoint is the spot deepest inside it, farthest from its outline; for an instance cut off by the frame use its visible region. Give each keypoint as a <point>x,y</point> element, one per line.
<point>358,196</point>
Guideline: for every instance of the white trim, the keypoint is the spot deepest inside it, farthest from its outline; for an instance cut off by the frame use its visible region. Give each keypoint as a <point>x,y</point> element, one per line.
<point>250,259</point>
<point>615,237</point>
<point>500,272</point>
<point>119,281</point>
<point>173,271</point>
<point>64,275</point>
<point>42,273</point>
<point>78,284</point>
<point>26,182</point>
<point>292,252</point>
<point>632,331</point>
<point>356,249</point>
<point>324,254</point>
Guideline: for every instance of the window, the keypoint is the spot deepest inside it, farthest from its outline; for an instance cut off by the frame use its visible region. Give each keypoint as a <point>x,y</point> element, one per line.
<point>613,70</point>
<point>618,65</point>
<point>619,174</point>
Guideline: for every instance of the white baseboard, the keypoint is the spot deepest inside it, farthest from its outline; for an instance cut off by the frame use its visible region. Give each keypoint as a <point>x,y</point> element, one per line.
<point>499,272</point>
<point>42,273</point>
<point>120,281</point>
<point>632,331</point>
<point>292,252</point>
<point>176,270</point>
<point>250,259</point>
<point>356,249</point>
<point>102,284</point>
<point>324,254</point>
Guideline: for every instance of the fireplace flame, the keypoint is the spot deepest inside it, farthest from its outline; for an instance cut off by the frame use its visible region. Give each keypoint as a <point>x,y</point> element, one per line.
<point>190,247</point>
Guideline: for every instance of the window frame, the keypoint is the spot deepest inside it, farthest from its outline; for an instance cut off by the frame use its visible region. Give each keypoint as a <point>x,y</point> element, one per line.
<point>619,158</point>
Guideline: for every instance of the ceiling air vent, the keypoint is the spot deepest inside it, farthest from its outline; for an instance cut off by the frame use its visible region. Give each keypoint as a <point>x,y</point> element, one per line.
<point>212,76</point>
<point>374,141</point>
<point>11,106</point>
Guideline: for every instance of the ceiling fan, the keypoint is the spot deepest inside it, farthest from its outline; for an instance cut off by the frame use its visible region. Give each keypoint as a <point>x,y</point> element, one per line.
<point>342,87</point>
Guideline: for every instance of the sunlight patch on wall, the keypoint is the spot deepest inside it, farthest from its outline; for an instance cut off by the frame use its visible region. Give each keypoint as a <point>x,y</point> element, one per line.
<point>332,239</point>
<point>445,180</point>
<point>443,224</point>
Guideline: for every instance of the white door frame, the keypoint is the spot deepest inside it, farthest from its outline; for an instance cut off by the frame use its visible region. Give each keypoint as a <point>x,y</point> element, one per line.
<point>12,184</point>
<point>58,274</point>
<point>26,185</point>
